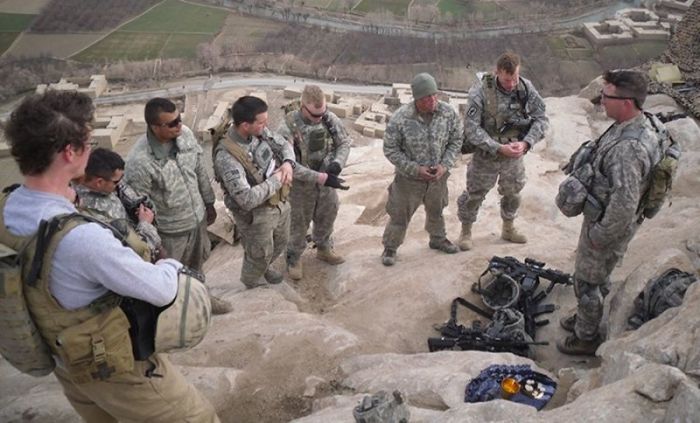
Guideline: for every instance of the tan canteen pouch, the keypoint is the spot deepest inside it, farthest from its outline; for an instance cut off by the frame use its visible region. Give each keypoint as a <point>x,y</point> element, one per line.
<point>97,348</point>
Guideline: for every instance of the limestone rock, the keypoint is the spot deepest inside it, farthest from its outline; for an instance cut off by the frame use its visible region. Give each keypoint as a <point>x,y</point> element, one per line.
<point>623,295</point>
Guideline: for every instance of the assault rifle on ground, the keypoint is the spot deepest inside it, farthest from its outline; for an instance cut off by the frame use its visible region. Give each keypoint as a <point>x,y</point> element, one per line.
<point>527,275</point>
<point>460,338</point>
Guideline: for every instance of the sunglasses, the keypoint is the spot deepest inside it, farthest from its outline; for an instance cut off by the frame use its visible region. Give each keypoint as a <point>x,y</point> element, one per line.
<point>314,115</point>
<point>172,124</point>
<point>614,97</point>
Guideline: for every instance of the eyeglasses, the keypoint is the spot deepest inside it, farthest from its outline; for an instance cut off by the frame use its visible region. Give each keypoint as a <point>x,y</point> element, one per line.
<point>117,181</point>
<point>314,115</point>
<point>614,97</point>
<point>604,96</point>
<point>173,123</point>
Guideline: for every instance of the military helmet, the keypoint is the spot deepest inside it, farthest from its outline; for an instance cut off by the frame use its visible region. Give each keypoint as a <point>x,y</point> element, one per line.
<point>184,323</point>
<point>498,290</point>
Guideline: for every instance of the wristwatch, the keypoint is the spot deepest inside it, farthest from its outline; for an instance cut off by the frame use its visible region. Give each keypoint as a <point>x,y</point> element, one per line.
<point>291,162</point>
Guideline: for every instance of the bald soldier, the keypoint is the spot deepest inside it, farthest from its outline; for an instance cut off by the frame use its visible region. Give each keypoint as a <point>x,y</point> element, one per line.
<point>422,140</point>
<point>505,118</point>
<point>321,145</point>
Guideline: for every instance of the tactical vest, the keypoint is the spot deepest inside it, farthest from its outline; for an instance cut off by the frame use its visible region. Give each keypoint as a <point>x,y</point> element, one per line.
<point>104,337</point>
<point>576,193</point>
<point>311,154</point>
<point>92,341</point>
<point>496,123</point>
<point>255,166</point>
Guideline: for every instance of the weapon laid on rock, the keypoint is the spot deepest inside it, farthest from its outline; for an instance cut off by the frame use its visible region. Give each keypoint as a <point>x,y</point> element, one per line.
<point>520,281</point>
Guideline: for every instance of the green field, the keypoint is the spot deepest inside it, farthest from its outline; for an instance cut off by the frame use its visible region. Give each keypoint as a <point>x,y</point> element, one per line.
<point>456,7</point>
<point>183,45</point>
<point>125,46</point>
<point>172,29</point>
<point>14,22</point>
<point>6,39</point>
<point>174,16</point>
<point>642,50</point>
<point>489,10</point>
<point>397,7</point>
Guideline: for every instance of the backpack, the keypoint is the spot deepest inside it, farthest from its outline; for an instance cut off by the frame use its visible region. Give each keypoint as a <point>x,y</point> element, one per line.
<point>663,172</point>
<point>659,295</point>
<point>20,342</point>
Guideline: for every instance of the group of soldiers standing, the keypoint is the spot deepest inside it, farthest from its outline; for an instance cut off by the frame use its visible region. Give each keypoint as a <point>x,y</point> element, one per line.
<point>276,184</point>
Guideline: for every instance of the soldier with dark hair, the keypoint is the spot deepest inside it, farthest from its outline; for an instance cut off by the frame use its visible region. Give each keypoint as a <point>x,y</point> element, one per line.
<point>505,118</point>
<point>166,164</point>
<point>255,167</point>
<point>620,166</point>
<point>98,195</point>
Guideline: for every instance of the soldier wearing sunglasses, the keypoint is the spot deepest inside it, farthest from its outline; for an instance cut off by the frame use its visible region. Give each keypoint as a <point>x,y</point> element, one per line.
<point>321,145</point>
<point>166,165</point>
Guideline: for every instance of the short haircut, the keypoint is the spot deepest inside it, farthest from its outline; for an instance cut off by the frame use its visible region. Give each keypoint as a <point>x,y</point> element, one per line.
<point>508,62</point>
<point>155,107</point>
<point>628,83</point>
<point>44,124</point>
<point>103,163</point>
<point>246,109</point>
<point>313,95</point>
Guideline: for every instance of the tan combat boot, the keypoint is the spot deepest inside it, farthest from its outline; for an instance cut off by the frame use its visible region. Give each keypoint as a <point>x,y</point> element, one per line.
<point>509,233</point>
<point>465,238</point>
<point>295,270</point>
<point>329,256</point>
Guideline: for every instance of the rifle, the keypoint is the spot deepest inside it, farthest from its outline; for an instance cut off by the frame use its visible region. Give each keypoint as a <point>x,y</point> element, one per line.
<point>460,338</point>
<point>522,125</point>
<point>132,201</point>
<point>477,339</point>
<point>527,275</point>
<point>670,116</point>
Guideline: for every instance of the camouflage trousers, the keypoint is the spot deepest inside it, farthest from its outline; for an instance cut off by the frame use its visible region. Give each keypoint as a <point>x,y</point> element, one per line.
<point>154,391</point>
<point>592,279</point>
<point>311,203</point>
<point>191,248</point>
<point>264,235</point>
<point>482,174</point>
<point>405,196</point>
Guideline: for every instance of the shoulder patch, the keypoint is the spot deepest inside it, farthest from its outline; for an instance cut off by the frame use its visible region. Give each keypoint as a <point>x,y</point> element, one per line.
<point>472,111</point>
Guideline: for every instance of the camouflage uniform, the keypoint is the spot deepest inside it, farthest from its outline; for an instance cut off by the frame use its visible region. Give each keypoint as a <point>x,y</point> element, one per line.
<point>410,142</point>
<point>108,208</point>
<point>178,184</point>
<point>487,165</point>
<point>624,158</point>
<point>311,202</point>
<point>264,228</point>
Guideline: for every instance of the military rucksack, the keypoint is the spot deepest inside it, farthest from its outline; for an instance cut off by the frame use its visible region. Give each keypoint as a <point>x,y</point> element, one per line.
<point>659,295</point>
<point>20,341</point>
<point>663,172</point>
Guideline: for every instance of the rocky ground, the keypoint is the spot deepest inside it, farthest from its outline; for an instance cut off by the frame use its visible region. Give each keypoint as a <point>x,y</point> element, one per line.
<point>310,350</point>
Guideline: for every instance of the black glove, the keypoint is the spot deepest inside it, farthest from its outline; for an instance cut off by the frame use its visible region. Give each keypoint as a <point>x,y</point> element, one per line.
<point>334,168</point>
<point>335,182</point>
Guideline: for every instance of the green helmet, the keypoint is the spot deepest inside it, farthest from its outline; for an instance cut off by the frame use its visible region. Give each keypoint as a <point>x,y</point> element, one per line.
<point>185,322</point>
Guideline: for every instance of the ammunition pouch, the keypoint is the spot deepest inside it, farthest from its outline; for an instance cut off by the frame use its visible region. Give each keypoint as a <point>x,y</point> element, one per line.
<point>97,348</point>
<point>317,140</point>
<point>278,197</point>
